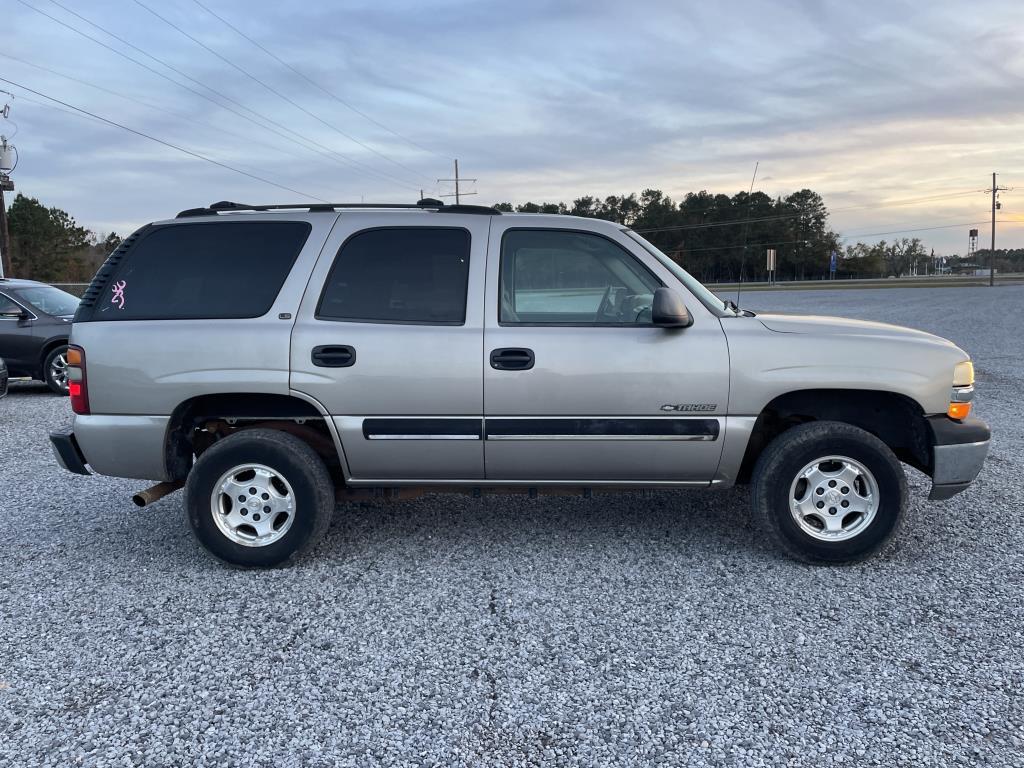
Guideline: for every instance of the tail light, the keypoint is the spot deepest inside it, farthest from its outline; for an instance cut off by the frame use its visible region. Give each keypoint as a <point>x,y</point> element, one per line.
<point>78,388</point>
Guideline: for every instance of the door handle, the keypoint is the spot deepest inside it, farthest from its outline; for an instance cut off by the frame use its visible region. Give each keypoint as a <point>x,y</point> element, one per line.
<point>333,356</point>
<point>512,359</point>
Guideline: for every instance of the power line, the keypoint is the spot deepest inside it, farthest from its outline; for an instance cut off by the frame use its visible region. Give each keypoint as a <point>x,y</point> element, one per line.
<point>798,214</point>
<point>737,245</point>
<point>141,64</point>
<point>912,201</point>
<point>261,121</point>
<point>277,93</point>
<point>714,224</point>
<point>315,84</point>
<point>189,152</point>
<point>135,100</point>
<point>918,229</point>
<point>847,237</point>
<point>323,150</point>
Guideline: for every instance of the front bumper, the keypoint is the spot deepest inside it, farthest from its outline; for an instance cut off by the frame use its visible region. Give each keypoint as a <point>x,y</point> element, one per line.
<point>68,453</point>
<point>959,449</point>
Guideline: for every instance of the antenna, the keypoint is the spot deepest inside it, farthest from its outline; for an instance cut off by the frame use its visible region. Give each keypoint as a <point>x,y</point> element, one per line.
<point>746,226</point>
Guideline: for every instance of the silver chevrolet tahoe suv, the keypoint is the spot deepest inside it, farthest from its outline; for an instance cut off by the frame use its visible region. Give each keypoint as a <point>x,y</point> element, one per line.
<point>275,359</point>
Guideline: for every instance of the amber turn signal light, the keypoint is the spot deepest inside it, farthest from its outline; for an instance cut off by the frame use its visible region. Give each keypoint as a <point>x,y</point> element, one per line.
<point>959,411</point>
<point>74,356</point>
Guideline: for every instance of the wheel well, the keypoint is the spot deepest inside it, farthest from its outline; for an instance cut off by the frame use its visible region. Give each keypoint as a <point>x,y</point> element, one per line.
<point>48,347</point>
<point>199,422</point>
<point>893,418</point>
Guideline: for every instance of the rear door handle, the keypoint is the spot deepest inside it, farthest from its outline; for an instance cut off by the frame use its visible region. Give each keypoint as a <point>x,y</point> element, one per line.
<point>334,356</point>
<point>512,359</point>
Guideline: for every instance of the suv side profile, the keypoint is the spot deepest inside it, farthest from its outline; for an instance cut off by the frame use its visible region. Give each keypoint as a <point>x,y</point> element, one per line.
<point>274,358</point>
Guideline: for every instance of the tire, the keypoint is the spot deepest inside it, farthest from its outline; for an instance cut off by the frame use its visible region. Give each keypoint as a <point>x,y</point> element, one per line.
<point>847,527</point>
<point>290,480</point>
<point>55,369</point>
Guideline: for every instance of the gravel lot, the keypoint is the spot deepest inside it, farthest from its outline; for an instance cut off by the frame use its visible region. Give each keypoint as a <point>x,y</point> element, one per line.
<point>651,629</point>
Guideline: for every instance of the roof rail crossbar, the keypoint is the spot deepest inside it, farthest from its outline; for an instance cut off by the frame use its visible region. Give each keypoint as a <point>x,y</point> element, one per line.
<point>425,204</point>
<point>460,208</point>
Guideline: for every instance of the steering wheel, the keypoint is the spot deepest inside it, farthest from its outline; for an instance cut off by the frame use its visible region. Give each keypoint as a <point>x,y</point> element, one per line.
<point>605,307</point>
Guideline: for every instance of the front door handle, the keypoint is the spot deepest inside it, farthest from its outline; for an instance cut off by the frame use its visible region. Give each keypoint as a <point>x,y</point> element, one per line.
<point>333,356</point>
<point>512,359</point>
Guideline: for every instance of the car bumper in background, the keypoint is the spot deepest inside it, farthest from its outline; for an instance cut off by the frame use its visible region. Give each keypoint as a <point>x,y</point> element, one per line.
<point>68,454</point>
<point>958,453</point>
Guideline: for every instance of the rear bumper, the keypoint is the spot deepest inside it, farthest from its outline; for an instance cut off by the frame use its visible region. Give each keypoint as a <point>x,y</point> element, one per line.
<point>68,454</point>
<point>120,446</point>
<point>124,446</point>
<point>958,453</point>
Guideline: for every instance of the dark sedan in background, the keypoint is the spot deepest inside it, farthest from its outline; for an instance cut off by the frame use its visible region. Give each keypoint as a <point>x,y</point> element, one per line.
<point>3,377</point>
<point>35,322</point>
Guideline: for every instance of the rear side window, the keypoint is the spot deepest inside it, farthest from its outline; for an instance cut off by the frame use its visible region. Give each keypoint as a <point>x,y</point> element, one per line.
<point>401,275</point>
<point>230,269</point>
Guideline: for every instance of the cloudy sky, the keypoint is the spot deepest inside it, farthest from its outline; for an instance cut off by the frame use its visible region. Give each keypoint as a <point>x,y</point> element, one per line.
<point>896,112</point>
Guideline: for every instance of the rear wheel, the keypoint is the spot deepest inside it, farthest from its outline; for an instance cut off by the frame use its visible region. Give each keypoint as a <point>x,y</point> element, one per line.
<point>259,498</point>
<point>829,492</point>
<point>55,369</point>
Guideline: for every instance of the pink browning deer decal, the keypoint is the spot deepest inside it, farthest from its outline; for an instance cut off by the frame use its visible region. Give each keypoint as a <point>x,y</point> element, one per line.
<point>118,297</point>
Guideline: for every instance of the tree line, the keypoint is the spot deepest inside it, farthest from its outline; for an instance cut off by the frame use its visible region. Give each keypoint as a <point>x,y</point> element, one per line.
<point>716,237</point>
<point>706,232</point>
<point>48,245</point>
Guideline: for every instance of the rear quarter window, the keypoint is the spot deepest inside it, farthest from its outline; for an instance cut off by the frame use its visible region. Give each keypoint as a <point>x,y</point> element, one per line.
<point>214,270</point>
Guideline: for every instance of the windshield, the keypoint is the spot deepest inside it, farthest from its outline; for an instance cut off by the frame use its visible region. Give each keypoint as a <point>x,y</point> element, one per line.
<point>704,295</point>
<point>50,300</point>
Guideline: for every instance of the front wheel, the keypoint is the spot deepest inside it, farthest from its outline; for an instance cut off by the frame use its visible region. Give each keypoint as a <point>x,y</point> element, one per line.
<point>828,492</point>
<point>55,369</point>
<point>259,498</point>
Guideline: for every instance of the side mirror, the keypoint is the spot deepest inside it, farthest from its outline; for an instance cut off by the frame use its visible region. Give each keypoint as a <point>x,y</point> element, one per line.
<point>668,310</point>
<point>14,314</point>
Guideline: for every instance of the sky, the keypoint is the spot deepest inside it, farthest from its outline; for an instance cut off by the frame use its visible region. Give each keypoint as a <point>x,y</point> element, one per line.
<point>897,113</point>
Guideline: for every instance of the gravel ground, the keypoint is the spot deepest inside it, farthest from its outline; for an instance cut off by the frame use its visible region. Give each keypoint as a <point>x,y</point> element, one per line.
<point>651,629</point>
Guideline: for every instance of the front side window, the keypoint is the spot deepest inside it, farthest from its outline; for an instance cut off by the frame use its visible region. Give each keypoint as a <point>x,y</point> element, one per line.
<point>413,275</point>
<point>578,278</point>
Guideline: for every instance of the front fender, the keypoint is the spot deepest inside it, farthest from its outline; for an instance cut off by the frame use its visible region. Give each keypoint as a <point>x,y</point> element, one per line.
<point>766,364</point>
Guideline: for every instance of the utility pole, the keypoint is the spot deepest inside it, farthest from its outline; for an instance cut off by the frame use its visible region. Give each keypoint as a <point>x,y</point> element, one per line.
<point>457,180</point>
<point>5,238</point>
<point>992,252</point>
<point>8,161</point>
<point>5,185</point>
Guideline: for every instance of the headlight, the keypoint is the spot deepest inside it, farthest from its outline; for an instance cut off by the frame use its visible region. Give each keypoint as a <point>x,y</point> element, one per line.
<point>963,391</point>
<point>963,374</point>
